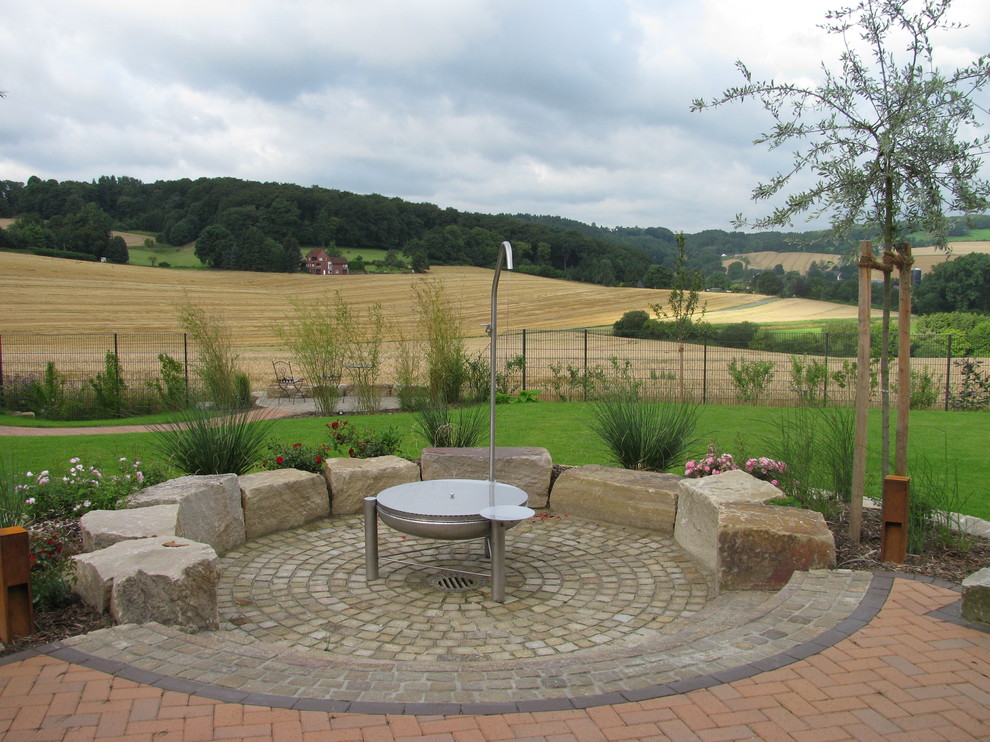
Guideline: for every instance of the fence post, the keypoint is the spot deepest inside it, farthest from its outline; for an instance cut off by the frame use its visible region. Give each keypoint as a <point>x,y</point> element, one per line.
<point>2,400</point>
<point>704,374</point>
<point>948,370</point>
<point>185,362</point>
<point>825,387</point>
<point>524,358</point>
<point>586,364</point>
<point>116,352</point>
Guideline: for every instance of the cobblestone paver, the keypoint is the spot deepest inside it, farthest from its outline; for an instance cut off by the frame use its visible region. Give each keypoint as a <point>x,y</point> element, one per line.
<point>592,612</point>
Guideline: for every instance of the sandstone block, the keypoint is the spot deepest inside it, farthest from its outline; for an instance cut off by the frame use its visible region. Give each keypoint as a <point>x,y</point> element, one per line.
<point>103,528</point>
<point>724,524</point>
<point>170,581</point>
<point>699,505</point>
<point>281,499</point>
<point>209,508</point>
<point>351,480</point>
<point>528,468</point>
<point>619,496</point>
<point>761,546</point>
<point>976,597</point>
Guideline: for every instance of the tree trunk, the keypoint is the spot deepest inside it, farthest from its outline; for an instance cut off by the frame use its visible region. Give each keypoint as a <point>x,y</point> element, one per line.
<point>903,361</point>
<point>862,391</point>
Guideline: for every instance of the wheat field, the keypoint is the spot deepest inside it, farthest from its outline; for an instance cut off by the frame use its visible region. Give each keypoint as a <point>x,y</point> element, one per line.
<point>54,296</point>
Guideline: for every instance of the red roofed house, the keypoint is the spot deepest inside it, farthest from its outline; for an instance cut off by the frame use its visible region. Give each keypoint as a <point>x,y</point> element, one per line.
<point>320,263</point>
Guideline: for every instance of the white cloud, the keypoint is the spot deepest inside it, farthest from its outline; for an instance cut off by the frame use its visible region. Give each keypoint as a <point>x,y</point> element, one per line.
<point>570,107</point>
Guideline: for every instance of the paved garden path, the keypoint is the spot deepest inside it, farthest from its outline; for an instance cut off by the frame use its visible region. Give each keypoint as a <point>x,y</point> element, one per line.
<point>911,672</point>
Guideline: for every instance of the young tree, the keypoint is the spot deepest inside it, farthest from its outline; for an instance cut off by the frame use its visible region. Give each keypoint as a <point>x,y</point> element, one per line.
<point>885,136</point>
<point>682,306</point>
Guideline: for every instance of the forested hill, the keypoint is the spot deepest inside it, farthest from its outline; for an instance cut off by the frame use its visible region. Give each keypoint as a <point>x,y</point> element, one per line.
<point>263,226</point>
<point>246,225</point>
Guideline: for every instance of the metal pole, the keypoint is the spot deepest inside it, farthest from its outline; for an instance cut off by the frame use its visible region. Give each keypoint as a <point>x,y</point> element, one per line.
<point>371,538</point>
<point>524,358</point>
<point>497,542</point>
<point>948,370</point>
<point>585,365</point>
<point>825,387</point>
<point>506,253</point>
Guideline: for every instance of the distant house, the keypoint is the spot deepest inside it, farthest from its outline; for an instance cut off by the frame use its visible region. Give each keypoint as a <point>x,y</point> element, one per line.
<point>319,263</point>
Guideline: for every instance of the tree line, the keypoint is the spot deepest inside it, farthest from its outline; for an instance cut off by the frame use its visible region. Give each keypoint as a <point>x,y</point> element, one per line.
<point>245,225</point>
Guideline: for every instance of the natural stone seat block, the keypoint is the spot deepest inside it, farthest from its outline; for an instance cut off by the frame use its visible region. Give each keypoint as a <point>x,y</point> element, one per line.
<point>209,508</point>
<point>103,528</point>
<point>724,523</point>
<point>976,597</point>
<point>525,467</point>
<point>168,580</point>
<point>352,480</point>
<point>281,499</point>
<point>619,496</point>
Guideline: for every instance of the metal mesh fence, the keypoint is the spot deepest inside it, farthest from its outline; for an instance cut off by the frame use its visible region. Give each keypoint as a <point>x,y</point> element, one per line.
<point>772,368</point>
<point>81,360</point>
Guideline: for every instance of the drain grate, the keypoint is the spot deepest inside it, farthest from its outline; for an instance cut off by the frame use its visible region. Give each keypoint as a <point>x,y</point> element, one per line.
<point>455,583</point>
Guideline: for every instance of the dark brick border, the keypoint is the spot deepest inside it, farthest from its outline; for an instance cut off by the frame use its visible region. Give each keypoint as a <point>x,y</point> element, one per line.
<point>874,599</point>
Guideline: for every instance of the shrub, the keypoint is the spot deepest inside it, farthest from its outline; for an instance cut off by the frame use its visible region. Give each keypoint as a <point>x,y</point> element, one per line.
<point>217,362</point>
<point>649,436</point>
<point>751,378</point>
<point>12,509</point>
<point>974,393</point>
<point>445,427</point>
<point>52,574</point>
<point>714,462</point>
<point>196,442</point>
<point>109,387</point>
<point>295,456</point>
<point>737,335</point>
<point>630,325</point>
<point>808,376</point>
<point>81,488</point>
<point>445,353</point>
<point>345,439</point>
<point>317,336</point>
<point>170,387</point>
<point>48,394</point>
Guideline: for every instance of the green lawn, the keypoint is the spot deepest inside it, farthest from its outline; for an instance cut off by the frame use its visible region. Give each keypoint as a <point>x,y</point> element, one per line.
<point>177,257</point>
<point>955,438</point>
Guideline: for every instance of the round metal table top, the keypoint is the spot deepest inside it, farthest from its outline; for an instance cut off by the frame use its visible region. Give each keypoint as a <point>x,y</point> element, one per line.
<point>450,497</point>
<point>507,513</point>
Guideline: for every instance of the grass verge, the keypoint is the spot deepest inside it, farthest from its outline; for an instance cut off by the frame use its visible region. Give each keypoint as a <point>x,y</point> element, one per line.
<point>564,429</point>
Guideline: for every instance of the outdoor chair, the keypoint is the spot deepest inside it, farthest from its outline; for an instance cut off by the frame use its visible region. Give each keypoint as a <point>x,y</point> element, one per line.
<point>289,385</point>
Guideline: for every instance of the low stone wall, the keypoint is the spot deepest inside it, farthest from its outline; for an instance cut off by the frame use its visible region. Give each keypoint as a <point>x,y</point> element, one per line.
<point>171,533</point>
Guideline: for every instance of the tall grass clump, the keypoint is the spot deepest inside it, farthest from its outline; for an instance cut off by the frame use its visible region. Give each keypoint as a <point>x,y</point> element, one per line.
<point>198,442</point>
<point>12,506</point>
<point>318,336</point>
<point>445,353</point>
<point>217,362</point>
<point>451,427</point>
<point>365,359</point>
<point>817,445</point>
<point>109,387</point>
<point>408,375</point>
<point>645,435</point>
<point>934,504</point>
<point>170,388</point>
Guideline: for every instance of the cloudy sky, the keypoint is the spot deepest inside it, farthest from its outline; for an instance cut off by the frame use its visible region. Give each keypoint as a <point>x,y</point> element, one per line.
<point>578,108</point>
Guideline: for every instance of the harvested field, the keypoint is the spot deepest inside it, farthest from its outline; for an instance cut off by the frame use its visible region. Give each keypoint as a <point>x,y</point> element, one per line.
<point>927,258</point>
<point>792,261</point>
<point>924,257</point>
<point>52,296</point>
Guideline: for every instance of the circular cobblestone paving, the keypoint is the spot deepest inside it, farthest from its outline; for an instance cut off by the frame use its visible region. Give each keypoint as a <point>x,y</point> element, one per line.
<point>571,585</point>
